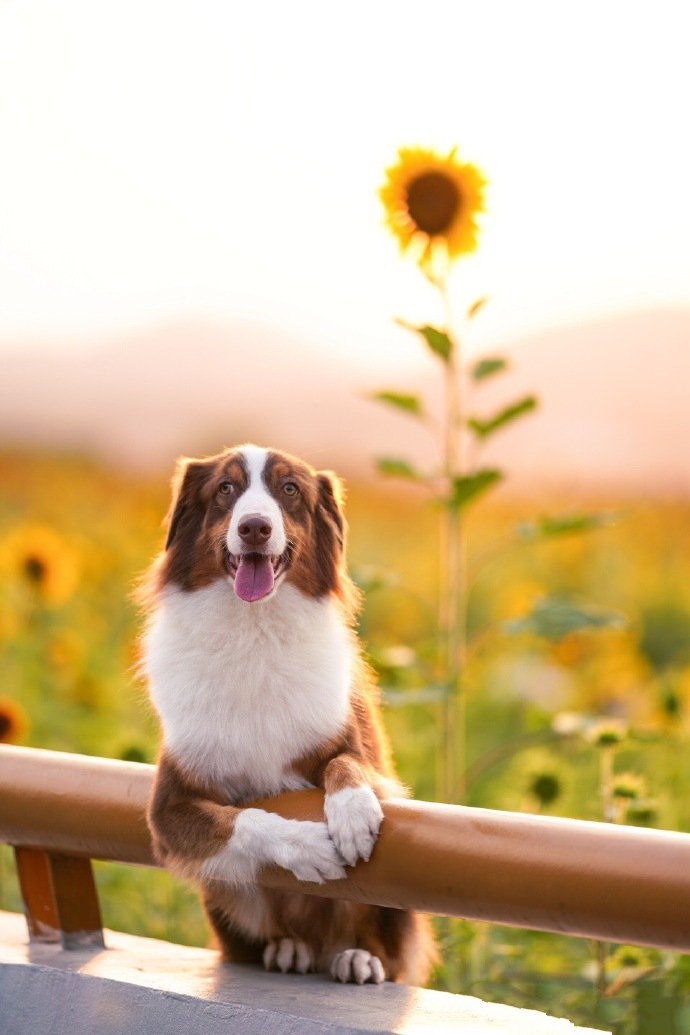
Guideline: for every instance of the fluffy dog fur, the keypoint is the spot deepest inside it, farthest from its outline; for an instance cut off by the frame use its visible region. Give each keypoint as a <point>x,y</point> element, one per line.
<point>256,675</point>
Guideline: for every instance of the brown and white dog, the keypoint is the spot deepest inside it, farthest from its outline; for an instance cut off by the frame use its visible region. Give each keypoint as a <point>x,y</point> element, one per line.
<point>256,675</point>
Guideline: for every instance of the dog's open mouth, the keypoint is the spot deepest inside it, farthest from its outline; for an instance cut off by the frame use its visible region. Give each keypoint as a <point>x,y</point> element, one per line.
<point>254,574</point>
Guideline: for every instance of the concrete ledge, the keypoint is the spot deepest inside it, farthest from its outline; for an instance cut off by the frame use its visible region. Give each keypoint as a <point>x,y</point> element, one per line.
<point>143,986</point>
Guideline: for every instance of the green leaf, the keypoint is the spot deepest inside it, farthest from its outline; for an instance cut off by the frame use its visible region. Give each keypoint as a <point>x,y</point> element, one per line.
<point>396,468</point>
<point>469,486</point>
<point>483,428</point>
<point>402,401</point>
<point>440,343</point>
<point>487,367</point>
<point>476,306</point>
<point>555,617</point>
<point>564,524</point>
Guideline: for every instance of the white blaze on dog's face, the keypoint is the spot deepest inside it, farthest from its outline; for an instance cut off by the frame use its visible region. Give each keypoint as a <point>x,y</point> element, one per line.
<point>256,539</point>
<point>256,517</point>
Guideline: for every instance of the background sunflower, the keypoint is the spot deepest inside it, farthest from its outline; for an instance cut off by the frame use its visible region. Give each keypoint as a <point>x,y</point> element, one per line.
<point>13,721</point>
<point>432,201</point>
<point>40,559</point>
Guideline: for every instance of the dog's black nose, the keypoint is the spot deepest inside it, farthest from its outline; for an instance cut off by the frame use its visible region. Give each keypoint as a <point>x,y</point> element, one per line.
<point>254,530</point>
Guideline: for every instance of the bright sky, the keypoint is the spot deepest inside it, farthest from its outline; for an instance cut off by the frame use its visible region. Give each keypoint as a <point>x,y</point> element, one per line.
<point>219,160</point>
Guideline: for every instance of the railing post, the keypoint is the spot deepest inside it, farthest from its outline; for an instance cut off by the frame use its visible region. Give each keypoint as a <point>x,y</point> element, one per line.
<point>60,898</point>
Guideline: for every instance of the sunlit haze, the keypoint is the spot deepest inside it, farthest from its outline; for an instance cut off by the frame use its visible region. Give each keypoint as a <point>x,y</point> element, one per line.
<point>218,161</point>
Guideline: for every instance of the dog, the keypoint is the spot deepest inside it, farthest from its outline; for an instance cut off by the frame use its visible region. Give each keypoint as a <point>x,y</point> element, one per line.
<point>255,672</point>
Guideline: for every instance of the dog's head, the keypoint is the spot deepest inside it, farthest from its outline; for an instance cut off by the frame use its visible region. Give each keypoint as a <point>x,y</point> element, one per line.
<point>258,518</point>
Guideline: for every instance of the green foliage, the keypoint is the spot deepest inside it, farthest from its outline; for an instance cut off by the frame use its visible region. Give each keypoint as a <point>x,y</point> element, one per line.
<point>555,617</point>
<point>665,635</point>
<point>468,487</point>
<point>404,401</point>
<point>487,367</point>
<point>439,342</point>
<point>135,753</point>
<point>564,524</point>
<point>642,813</point>
<point>485,427</point>
<point>395,467</point>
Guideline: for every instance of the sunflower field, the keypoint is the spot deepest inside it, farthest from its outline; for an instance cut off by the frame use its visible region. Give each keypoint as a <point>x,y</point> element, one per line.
<point>567,713</point>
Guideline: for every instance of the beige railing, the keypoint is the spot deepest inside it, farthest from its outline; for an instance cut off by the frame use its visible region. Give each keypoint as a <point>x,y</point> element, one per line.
<point>597,880</point>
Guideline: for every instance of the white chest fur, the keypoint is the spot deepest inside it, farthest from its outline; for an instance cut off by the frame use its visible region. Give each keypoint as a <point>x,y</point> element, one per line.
<point>243,690</point>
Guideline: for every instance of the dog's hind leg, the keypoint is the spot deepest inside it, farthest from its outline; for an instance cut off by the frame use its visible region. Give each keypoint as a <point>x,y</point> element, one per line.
<point>235,946</point>
<point>389,944</point>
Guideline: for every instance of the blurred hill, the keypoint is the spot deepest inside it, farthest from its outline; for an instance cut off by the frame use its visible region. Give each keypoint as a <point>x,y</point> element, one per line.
<point>614,401</point>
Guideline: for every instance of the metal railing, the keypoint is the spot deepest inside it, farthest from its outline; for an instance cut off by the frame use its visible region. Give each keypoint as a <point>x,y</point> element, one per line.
<point>596,880</point>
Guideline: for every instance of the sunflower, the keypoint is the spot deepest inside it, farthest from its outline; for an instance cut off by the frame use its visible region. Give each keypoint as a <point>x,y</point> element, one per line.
<point>605,733</point>
<point>37,557</point>
<point>629,786</point>
<point>13,722</point>
<point>431,204</point>
<point>545,787</point>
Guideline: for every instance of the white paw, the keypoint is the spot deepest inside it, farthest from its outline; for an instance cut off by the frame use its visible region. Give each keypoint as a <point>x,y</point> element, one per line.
<point>306,849</point>
<point>354,816</point>
<point>357,965</point>
<point>263,839</point>
<point>286,954</point>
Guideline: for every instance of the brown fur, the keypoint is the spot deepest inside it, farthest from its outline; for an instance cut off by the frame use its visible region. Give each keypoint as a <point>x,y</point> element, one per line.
<point>188,823</point>
<point>199,517</point>
<point>191,822</point>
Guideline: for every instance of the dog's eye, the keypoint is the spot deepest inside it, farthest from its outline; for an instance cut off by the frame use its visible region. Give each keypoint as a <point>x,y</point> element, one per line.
<point>225,488</point>
<point>290,489</point>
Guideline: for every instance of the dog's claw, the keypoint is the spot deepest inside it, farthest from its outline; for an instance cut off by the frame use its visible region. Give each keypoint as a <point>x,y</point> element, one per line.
<point>286,955</point>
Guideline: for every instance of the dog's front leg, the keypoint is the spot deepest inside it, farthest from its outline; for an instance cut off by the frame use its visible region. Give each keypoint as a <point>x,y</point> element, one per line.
<point>207,840</point>
<point>352,809</point>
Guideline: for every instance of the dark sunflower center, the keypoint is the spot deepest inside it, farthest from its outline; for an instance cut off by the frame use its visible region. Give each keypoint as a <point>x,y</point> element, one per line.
<point>35,570</point>
<point>432,202</point>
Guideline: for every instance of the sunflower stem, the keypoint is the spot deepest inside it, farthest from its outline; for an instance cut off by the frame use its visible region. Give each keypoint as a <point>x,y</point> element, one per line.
<point>453,581</point>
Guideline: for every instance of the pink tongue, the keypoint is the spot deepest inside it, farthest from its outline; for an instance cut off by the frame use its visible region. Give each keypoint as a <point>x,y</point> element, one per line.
<point>254,578</point>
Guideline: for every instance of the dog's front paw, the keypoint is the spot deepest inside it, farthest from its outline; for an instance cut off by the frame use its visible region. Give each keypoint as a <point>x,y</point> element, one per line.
<point>306,849</point>
<point>354,816</point>
<point>263,839</point>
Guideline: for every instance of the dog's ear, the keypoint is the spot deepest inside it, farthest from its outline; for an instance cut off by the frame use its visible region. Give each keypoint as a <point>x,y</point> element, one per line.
<point>331,497</point>
<point>189,478</point>
<point>330,529</point>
